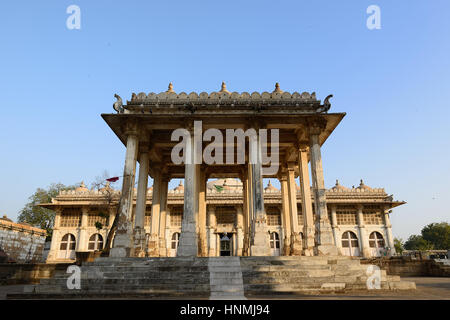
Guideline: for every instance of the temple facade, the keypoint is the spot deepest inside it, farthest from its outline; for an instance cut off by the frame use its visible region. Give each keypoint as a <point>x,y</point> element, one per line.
<point>222,144</point>
<point>359,220</point>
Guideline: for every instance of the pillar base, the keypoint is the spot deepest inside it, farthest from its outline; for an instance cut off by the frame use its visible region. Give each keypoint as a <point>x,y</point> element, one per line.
<point>123,246</point>
<point>286,246</point>
<point>296,245</point>
<point>326,250</point>
<point>261,241</point>
<point>308,252</point>
<point>153,246</point>
<point>188,245</point>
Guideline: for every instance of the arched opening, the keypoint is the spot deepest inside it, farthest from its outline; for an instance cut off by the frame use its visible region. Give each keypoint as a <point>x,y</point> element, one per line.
<point>377,244</point>
<point>350,245</point>
<point>67,247</point>
<point>95,242</point>
<point>225,245</point>
<point>174,243</point>
<point>275,243</point>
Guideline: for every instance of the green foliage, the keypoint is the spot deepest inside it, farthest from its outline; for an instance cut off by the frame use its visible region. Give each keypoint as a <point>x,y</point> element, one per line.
<point>38,216</point>
<point>416,242</point>
<point>98,225</point>
<point>438,234</point>
<point>398,245</point>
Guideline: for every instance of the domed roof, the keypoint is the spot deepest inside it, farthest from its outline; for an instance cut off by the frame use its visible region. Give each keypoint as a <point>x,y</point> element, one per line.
<point>225,184</point>
<point>6,218</point>
<point>338,187</point>
<point>82,188</point>
<point>270,188</point>
<point>180,187</point>
<point>362,186</point>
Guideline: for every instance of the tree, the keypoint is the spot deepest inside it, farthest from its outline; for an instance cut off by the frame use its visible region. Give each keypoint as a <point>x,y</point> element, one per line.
<point>417,242</point>
<point>398,245</point>
<point>38,216</point>
<point>438,234</point>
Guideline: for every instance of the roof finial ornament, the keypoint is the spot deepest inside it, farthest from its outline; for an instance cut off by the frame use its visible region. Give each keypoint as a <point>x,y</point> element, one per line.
<point>118,105</point>
<point>277,88</point>
<point>337,182</point>
<point>224,88</point>
<point>170,89</point>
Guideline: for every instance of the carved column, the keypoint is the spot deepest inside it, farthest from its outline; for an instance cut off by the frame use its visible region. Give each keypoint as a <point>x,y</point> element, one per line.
<point>141,202</point>
<point>202,241</point>
<point>364,238</point>
<point>286,213</point>
<point>239,228</point>
<point>123,240</point>
<point>153,241</point>
<point>324,236</point>
<point>212,226</point>
<point>248,210</point>
<point>296,243</point>
<point>334,225</point>
<point>163,213</point>
<point>260,245</point>
<point>305,188</point>
<point>188,240</point>
<point>388,226</point>
<point>54,246</point>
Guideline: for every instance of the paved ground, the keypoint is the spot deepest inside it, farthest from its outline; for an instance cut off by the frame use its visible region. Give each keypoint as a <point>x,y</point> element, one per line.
<point>428,288</point>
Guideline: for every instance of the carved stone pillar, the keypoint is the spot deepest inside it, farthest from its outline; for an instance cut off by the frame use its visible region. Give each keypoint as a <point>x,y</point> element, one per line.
<point>212,226</point>
<point>286,213</point>
<point>141,200</point>
<point>239,230</point>
<point>388,226</point>
<point>248,210</point>
<point>334,225</point>
<point>324,235</point>
<point>307,212</point>
<point>188,240</point>
<point>163,216</point>
<point>153,240</point>
<point>202,241</point>
<point>123,240</point>
<point>364,238</point>
<point>260,245</point>
<point>296,243</point>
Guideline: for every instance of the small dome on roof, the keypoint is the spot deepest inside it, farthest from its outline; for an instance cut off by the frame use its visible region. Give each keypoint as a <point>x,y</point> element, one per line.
<point>180,187</point>
<point>270,188</point>
<point>362,186</point>
<point>6,218</point>
<point>338,187</point>
<point>82,187</point>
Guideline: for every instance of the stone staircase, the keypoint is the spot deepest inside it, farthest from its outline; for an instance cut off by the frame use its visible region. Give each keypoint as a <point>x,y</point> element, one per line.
<point>311,275</point>
<point>214,278</point>
<point>225,278</point>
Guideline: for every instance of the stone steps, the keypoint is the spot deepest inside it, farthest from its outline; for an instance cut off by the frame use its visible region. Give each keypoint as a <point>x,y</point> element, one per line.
<point>217,277</point>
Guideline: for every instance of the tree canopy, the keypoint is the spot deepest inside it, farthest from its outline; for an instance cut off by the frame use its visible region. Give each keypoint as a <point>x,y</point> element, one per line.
<point>433,236</point>
<point>38,216</point>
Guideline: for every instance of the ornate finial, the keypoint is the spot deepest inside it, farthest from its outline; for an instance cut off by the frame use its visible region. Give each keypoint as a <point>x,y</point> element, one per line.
<point>82,184</point>
<point>361,183</point>
<point>224,88</point>
<point>270,183</point>
<point>277,88</point>
<point>181,183</point>
<point>170,89</point>
<point>118,104</point>
<point>337,182</point>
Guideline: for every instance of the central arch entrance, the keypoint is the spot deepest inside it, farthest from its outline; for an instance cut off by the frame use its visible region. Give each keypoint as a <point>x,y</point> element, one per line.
<point>225,245</point>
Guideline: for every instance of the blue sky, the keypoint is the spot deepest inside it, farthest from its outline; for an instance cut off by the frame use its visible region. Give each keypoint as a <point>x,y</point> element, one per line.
<point>393,83</point>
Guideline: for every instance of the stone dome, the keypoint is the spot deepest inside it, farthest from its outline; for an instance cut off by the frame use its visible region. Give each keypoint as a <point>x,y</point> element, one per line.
<point>362,186</point>
<point>338,187</point>
<point>82,188</point>
<point>270,188</point>
<point>180,187</point>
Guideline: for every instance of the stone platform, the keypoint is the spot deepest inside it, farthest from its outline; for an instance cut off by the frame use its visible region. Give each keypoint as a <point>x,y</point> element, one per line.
<point>214,278</point>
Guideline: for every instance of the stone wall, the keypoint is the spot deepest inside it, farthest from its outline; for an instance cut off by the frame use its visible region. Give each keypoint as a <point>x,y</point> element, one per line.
<point>27,273</point>
<point>407,267</point>
<point>20,242</point>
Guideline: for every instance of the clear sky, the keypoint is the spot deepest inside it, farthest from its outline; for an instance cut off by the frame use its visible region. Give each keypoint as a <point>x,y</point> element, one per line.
<point>393,83</point>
